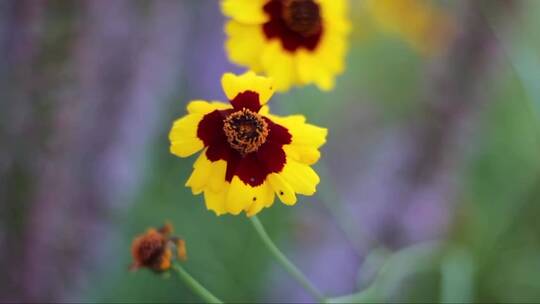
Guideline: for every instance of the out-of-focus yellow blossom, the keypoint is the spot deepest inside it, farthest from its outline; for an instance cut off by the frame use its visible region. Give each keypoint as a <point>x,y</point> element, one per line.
<point>296,42</point>
<point>420,23</point>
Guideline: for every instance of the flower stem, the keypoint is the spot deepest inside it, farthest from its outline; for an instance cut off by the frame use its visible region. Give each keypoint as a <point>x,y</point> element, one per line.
<point>285,262</point>
<point>195,286</point>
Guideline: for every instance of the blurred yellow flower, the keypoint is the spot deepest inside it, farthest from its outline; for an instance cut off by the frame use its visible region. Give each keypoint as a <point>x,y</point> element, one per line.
<point>424,26</point>
<point>249,155</point>
<point>296,42</point>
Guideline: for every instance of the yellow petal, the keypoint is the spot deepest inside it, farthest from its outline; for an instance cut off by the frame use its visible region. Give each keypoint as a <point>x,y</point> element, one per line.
<point>215,200</point>
<point>183,136</point>
<point>205,107</point>
<point>332,53</point>
<point>308,134</point>
<point>279,65</point>
<point>306,138</point>
<point>244,44</point>
<point>216,180</point>
<point>311,69</point>
<point>322,65</point>
<point>264,198</point>
<point>422,25</point>
<point>249,81</point>
<point>301,177</point>
<point>304,154</point>
<point>245,11</point>
<point>302,133</point>
<point>207,175</point>
<point>282,189</point>
<point>334,15</point>
<point>240,196</point>
<point>202,169</point>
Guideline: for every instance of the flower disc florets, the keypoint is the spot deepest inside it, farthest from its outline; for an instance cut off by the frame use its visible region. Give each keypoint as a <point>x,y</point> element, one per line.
<point>246,131</point>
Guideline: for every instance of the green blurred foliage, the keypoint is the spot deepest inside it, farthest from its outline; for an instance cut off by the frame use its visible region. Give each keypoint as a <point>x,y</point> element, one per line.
<point>496,227</point>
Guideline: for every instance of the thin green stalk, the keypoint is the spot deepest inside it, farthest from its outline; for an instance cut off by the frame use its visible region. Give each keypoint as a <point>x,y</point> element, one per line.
<point>195,286</point>
<point>285,262</point>
<point>334,204</point>
<point>398,266</point>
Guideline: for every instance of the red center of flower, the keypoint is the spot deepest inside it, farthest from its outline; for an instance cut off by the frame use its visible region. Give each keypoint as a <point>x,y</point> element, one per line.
<point>297,23</point>
<point>251,144</point>
<point>246,131</point>
<point>302,16</point>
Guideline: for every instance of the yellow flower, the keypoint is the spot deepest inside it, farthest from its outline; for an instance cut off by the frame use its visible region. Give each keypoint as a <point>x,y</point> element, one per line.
<point>419,23</point>
<point>292,41</point>
<point>248,155</point>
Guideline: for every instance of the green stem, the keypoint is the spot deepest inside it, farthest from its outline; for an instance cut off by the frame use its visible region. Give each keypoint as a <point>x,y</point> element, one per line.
<point>285,262</point>
<point>195,286</point>
<point>334,204</point>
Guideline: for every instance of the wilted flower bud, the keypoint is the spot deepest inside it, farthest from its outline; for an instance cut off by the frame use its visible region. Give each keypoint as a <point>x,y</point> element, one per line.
<point>154,249</point>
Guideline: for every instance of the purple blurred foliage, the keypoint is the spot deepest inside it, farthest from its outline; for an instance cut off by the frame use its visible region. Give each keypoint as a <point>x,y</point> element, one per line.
<point>108,69</point>
<point>203,76</point>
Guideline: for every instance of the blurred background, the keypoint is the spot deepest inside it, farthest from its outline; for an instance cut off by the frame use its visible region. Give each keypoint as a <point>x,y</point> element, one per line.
<point>430,178</point>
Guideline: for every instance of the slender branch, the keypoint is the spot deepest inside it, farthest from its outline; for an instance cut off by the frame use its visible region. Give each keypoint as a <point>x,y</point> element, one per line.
<point>195,286</point>
<point>285,262</point>
<point>331,200</point>
<point>413,259</point>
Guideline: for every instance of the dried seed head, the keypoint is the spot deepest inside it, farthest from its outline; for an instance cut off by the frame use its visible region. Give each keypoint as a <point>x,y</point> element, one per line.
<point>153,249</point>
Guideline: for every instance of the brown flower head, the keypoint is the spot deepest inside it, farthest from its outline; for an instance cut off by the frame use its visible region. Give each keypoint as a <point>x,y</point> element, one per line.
<point>154,249</point>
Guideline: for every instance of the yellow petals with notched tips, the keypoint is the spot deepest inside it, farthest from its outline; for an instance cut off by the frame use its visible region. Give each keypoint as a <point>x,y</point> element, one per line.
<point>304,154</point>
<point>205,107</point>
<point>216,200</point>
<point>207,174</point>
<point>264,198</point>
<point>306,138</point>
<point>240,196</point>
<point>282,189</point>
<point>302,132</point>
<point>302,178</point>
<point>249,81</point>
<point>183,136</point>
<point>243,197</point>
<point>202,170</point>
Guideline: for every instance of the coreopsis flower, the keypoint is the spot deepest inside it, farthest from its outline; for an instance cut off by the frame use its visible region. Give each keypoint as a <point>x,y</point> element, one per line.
<point>248,155</point>
<point>296,42</point>
<point>418,22</point>
<point>154,249</point>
